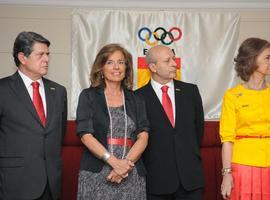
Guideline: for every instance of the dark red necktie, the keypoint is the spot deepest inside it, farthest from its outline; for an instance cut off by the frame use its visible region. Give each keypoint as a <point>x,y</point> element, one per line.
<point>37,101</point>
<point>167,104</point>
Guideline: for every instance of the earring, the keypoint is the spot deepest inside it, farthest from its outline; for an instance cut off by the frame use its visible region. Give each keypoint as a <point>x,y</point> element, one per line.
<point>101,75</point>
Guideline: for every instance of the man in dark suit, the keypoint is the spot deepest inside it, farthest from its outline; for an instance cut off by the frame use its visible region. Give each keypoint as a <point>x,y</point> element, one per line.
<point>172,157</point>
<point>32,124</point>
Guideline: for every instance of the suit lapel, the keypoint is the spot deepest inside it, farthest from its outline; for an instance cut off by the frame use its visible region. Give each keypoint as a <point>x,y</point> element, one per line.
<point>50,100</point>
<point>178,93</point>
<point>21,92</point>
<point>103,105</point>
<point>153,96</point>
<point>130,106</point>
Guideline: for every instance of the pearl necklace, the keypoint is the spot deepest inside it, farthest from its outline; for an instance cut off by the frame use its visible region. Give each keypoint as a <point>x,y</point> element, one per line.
<point>111,129</point>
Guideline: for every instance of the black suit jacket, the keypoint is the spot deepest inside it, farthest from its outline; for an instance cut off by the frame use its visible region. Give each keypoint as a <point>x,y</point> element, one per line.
<point>29,152</point>
<point>173,154</point>
<point>93,117</point>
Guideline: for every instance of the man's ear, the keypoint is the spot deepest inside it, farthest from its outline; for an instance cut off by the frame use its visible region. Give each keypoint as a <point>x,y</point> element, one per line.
<point>22,58</point>
<point>152,67</point>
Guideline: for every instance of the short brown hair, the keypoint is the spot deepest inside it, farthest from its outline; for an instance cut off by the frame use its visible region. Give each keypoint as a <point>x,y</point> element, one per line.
<point>245,61</point>
<point>96,76</point>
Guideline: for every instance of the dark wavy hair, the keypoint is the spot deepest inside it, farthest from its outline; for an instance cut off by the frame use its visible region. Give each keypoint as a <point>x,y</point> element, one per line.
<point>24,43</point>
<point>245,61</point>
<point>96,76</point>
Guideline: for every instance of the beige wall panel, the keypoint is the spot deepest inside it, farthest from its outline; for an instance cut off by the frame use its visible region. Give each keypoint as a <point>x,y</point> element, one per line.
<point>7,65</point>
<point>255,15</point>
<point>255,29</point>
<point>57,31</point>
<point>37,12</point>
<point>60,71</point>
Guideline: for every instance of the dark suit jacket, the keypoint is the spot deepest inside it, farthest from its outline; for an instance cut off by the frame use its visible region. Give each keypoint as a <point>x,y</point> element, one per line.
<point>29,152</point>
<point>173,154</point>
<point>93,117</point>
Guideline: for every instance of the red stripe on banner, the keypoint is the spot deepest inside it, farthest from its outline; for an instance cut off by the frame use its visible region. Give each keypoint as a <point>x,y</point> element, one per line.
<point>178,62</point>
<point>143,65</point>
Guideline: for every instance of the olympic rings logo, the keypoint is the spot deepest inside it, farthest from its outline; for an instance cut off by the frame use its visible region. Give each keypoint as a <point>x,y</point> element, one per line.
<point>160,34</point>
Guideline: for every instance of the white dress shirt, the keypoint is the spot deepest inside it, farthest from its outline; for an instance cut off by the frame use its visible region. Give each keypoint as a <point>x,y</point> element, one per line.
<point>157,88</point>
<point>28,84</point>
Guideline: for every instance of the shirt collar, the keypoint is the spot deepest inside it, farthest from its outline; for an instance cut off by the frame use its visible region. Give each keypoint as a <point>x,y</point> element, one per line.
<point>28,81</point>
<point>157,85</point>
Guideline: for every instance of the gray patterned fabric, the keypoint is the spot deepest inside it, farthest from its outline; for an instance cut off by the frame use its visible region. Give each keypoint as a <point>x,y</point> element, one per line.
<point>94,186</point>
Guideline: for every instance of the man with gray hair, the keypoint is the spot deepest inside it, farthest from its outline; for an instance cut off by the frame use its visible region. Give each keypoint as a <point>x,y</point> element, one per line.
<point>175,112</point>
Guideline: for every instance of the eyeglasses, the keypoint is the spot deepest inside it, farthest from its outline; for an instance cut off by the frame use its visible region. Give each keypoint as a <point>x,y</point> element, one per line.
<point>113,63</point>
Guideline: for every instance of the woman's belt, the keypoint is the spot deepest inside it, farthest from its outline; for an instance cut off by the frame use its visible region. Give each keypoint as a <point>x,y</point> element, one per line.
<point>238,137</point>
<point>120,141</point>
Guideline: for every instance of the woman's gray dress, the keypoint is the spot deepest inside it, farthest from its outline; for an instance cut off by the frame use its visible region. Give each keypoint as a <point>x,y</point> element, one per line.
<point>94,186</point>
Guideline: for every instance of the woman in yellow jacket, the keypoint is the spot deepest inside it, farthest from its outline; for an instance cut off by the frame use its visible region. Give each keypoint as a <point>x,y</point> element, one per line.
<point>245,126</point>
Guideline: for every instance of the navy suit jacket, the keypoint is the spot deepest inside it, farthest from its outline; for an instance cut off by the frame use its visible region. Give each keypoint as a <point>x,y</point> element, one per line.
<point>29,152</point>
<point>172,156</point>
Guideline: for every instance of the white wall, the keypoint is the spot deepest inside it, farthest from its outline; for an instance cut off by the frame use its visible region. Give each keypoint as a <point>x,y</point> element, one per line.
<point>55,24</point>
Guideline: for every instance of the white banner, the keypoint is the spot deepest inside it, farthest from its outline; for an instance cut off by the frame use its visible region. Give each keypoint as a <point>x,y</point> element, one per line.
<point>203,42</point>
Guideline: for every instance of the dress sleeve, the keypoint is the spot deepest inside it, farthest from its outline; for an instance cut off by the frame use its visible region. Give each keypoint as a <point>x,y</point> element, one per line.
<point>142,121</point>
<point>228,118</point>
<point>85,114</point>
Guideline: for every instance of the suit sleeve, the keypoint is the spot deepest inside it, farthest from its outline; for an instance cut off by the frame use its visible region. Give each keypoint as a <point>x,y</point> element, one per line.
<point>142,121</point>
<point>199,115</point>
<point>85,112</point>
<point>64,114</point>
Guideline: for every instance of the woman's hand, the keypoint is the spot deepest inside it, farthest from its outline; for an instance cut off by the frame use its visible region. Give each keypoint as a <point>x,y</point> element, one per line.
<point>114,177</point>
<point>226,186</point>
<point>121,167</point>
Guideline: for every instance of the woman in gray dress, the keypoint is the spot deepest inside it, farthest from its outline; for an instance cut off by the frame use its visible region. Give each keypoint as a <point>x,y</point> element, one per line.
<point>112,124</point>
